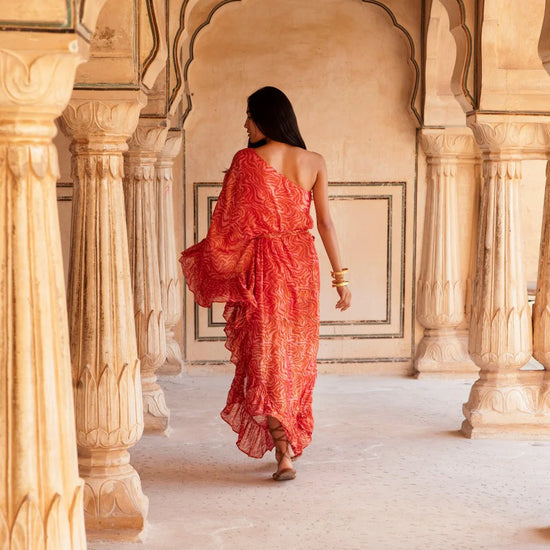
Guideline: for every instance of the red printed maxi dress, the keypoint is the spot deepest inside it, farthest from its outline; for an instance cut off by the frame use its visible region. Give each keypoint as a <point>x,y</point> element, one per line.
<point>260,259</point>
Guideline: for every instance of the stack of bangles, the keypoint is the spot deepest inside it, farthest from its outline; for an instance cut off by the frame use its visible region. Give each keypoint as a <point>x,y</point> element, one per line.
<point>339,277</point>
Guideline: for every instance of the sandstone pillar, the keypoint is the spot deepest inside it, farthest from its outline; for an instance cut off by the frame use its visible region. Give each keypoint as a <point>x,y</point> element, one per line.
<point>41,496</point>
<point>108,399</point>
<point>169,269</point>
<point>140,198</point>
<point>541,308</point>
<point>504,399</point>
<point>441,292</point>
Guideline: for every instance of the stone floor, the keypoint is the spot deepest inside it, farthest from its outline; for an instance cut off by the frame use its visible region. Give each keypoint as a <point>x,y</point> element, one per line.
<point>387,470</point>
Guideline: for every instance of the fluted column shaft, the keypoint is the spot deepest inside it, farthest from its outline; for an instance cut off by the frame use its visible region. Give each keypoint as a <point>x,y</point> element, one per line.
<point>170,288</point>
<point>500,325</point>
<point>541,308</point>
<point>500,335</point>
<point>140,199</point>
<point>441,289</point>
<point>106,368</point>
<point>41,493</point>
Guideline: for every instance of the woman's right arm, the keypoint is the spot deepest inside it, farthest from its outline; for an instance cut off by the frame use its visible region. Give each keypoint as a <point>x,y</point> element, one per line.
<point>326,229</point>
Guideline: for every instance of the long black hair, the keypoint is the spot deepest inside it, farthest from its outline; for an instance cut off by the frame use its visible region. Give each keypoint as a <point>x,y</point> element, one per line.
<point>274,116</point>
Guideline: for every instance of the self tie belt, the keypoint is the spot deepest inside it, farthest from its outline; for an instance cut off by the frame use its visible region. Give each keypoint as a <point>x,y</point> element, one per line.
<point>281,234</point>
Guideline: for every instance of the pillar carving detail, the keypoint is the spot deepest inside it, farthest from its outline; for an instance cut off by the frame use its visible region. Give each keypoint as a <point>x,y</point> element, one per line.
<point>441,289</point>
<point>169,269</point>
<point>541,308</point>
<point>41,501</point>
<point>106,368</point>
<point>504,400</point>
<point>140,196</point>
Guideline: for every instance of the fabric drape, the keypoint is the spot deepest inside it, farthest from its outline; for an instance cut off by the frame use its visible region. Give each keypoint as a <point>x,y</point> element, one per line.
<point>259,258</point>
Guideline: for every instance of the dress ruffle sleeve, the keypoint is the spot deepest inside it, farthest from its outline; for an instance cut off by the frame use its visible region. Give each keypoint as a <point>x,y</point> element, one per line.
<point>217,268</point>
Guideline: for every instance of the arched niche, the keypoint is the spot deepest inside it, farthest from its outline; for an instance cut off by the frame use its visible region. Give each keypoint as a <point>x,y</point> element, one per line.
<point>348,69</point>
<point>195,16</point>
<point>334,78</point>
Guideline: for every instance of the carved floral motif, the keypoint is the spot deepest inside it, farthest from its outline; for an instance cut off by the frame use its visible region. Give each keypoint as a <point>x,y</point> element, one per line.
<point>32,528</point>
<point>109,412</point>
<point>505,400</point>
<point>103,118</point>
<point>116,501</point>
<point>38,78</point>
<point>452,142</point>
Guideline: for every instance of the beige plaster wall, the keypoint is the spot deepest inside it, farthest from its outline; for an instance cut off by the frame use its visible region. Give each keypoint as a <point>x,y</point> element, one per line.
<point>345,67</point>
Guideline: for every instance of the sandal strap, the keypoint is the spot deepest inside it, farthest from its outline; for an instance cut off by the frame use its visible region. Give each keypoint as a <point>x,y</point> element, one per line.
<point>279,436</point>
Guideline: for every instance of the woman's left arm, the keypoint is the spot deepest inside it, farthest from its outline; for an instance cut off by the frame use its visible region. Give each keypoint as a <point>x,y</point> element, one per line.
<point>327,231</point>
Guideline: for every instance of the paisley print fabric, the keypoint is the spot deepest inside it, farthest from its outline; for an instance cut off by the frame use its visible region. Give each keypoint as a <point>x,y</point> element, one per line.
<point>260,259</point>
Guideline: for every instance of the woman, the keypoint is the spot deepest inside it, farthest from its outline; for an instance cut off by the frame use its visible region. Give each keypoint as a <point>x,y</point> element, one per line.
<point>259,257</point>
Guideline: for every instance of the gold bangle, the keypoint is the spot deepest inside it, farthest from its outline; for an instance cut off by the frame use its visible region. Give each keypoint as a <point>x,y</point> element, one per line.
<point>343,272</point>
<point>340,283</point>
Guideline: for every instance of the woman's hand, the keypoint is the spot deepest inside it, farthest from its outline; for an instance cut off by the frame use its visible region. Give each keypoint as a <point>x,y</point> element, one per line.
<point>345,298</point>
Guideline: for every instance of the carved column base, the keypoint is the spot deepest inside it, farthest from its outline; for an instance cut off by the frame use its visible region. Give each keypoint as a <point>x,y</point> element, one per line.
<point>544,398</point>
<point>114,504</point>
<point>174,361</point>
<point>156,414</point>
<point>444,353</point>
<point>506,405</point>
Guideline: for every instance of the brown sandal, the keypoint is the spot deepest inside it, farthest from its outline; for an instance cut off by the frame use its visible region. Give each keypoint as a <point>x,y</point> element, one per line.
<point>278,434</point>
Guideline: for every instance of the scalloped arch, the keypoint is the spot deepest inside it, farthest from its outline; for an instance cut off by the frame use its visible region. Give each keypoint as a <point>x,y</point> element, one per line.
<point>408,38</point>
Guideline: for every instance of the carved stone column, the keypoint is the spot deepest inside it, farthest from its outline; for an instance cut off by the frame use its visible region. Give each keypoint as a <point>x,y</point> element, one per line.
<point>541,308</point>
<point>440,303</point>
<point>41,497</point>
<point>169,268</point>
<point>108,399</point>
<point>140,197</point>
<point>504,399</point>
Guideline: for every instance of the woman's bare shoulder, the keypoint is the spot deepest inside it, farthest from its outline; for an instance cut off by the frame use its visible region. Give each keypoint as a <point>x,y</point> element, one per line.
<point>314,159</point>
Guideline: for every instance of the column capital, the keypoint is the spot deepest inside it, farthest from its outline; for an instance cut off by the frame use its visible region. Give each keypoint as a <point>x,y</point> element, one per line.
<point>172,145</point>
<point>33,78</point>
<point>103,115</point>
<point>524,136</point>
<point>453,142</point>
<point>149,136</point>
<point>34,89</point>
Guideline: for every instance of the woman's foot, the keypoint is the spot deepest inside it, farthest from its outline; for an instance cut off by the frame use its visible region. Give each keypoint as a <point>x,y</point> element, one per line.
<point>285,471</point>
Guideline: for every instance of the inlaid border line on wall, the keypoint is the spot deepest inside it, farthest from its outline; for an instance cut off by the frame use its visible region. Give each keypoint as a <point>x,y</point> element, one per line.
<point>211,200</point>
<point>62,187</point>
